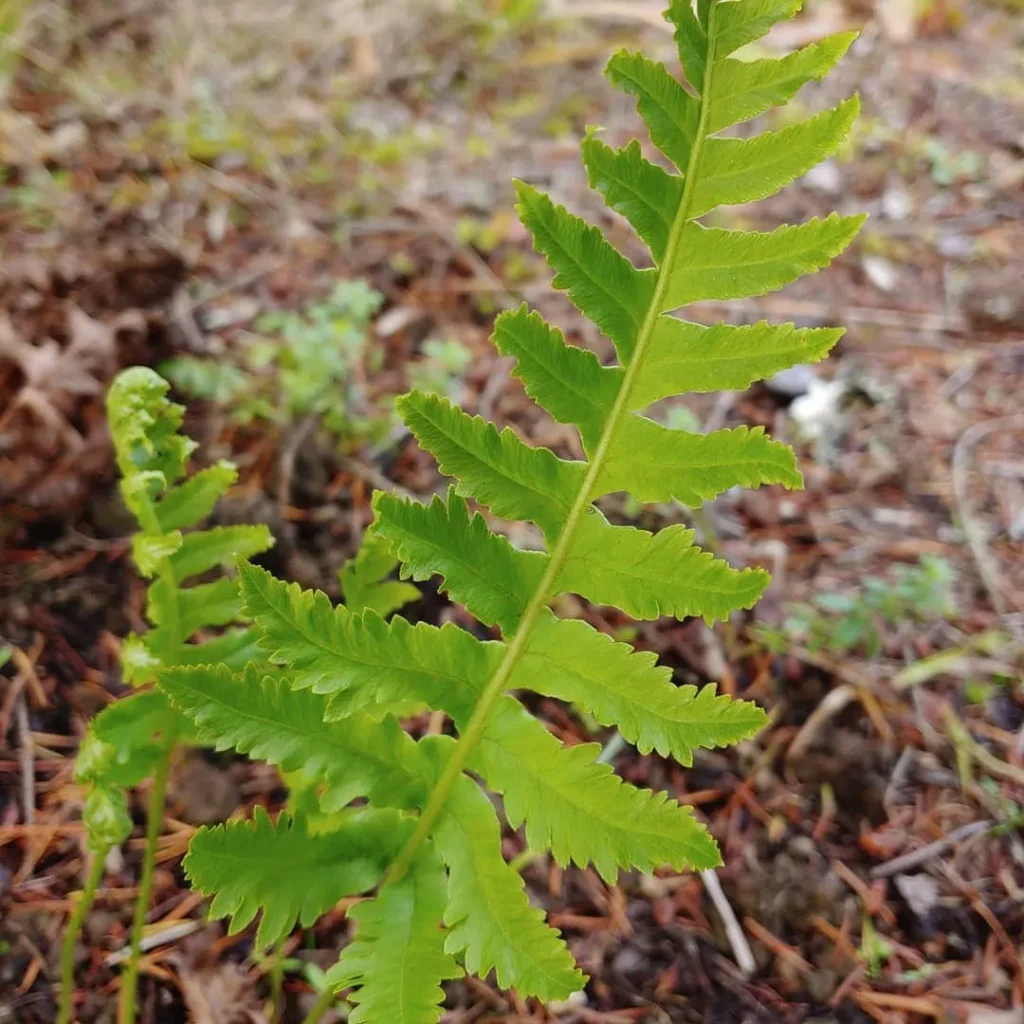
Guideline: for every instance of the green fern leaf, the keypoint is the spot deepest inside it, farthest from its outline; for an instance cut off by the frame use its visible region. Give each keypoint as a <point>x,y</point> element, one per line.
<point>721,264</point>
<point>205,605</point>
<point>744,89</point>
<point>363,668</point>
<point>192,501</point>
<point>263,717</point>
<point>222,545</point>
<point>278,868</point>
<point>737,171</point>
<point>106,818</point>
<point>363,581</point>
<point>599,280</point>
<point>397,959</point>
<point>152,457</point>
<point>657,464</point>
<point>741,23</point>
<point>578,808</point>
<point>651,575</point>
<point>686,357</point>
<point>497,469</point>
<point>491,923</point>
<point>645,194</point>
<point>478,568</point>
<point>568,659</point>
<point>234,648</point>
<point>149,550</point>
<point>144,426</point>
<point>361,659</point>
<point>565,380</point>
<point>671,114</point>
<point>136,731</point>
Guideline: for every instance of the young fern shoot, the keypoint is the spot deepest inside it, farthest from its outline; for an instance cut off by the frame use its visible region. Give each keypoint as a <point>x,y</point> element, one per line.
<point>427,838</point>
<point>134,738</point>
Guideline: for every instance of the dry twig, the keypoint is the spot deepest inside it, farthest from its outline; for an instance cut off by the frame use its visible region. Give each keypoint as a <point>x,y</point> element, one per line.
<point>914,859</point>
<point>737,940</point>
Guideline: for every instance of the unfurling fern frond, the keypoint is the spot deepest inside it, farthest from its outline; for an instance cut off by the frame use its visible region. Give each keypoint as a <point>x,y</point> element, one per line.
<point>345,673</point>
<point>135,738</point>
<point>152,456</point>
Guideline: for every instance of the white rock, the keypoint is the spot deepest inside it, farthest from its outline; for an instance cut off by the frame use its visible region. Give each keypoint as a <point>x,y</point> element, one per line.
<point>793,381</point>
<point>826,178</point>
<point>896,204</point>
<point>882,273</point>
<point>819,410</point>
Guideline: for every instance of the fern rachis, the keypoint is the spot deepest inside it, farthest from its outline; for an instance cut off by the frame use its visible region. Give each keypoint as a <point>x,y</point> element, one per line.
<point>362,668</point>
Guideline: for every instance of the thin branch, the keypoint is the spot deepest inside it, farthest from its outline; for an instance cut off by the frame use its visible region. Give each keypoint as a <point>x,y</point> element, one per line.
<point>27,767</point>
<point>914,859</point>
<point>733,930</point>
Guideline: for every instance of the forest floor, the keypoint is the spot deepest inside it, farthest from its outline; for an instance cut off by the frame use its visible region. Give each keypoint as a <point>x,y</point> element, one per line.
<point>172,172</point>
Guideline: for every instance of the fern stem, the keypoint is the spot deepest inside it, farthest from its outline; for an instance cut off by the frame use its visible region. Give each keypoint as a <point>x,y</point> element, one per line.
<point>151,525</point>
<point>474,730</point>
<point>277,982</point>
<point>321,1006</point>
<point>154,820</point>
<point>71,934</point>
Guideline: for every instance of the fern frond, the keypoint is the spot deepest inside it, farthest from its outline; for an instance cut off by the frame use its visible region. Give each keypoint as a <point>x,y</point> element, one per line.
<point>152,456</point>
<point>360,668</point>
<point>106,818</point>
<point>279,868</point>
<point>491,923</point>
<point>263,717</point>
<point>134,737</point>
<point>144,425</point>
<point>397,960</point>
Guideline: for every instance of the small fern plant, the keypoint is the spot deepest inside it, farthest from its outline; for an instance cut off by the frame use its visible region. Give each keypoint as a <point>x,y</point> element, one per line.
<point>423,843</point>
<point>135,738</point>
